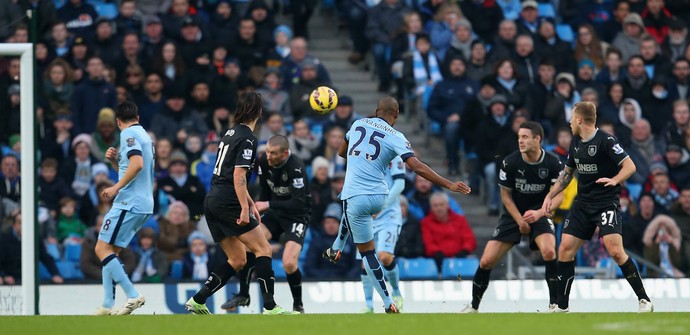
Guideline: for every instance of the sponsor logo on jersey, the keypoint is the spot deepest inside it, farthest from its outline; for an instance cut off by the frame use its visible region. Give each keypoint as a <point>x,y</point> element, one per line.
<point>617,149</point>
<point>298,182</point>
<point>247,154</point>
<point>521,172</point>
<point>592,150</point>
<point>587,168</point>
<point>230,132</point>
<point>543,173</point>
<point>496,231</point>
<point>524,187</point>
<point>502,175</point>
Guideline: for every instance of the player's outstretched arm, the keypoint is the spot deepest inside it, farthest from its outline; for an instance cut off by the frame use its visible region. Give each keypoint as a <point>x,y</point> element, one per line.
<point>136,164</point>
<point>627,169</point>
<point>427,173</point>
<point>561,183</point>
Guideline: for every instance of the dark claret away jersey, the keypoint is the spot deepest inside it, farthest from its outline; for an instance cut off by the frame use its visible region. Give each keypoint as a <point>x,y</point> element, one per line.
<point>237,149</point>
<point>530,182</point>
<point>598,157</point>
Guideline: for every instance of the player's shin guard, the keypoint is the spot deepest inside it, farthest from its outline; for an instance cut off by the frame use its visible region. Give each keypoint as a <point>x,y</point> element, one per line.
<point>108,289</point>
<point>264,273</point>
<point>245,275</point>
<point>479,285</point>
<point>295,281</point>
<point>343,234</point>
<point>218,278</point>
<point>632,275</point>
<point>566,275</point>
<point>117,272</point>
<point>552,280</point>
<point>368,288</point>
<point>375,272</point>
<point>393,275</point>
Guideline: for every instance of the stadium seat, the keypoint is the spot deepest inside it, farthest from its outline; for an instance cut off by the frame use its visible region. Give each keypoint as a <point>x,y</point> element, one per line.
<point>278,271</point>
<point>565,32</point>
<point>53,250</point>
<point>417,268</point>
<point>107,10</point>
<point>546,10</point>
<point>176,270</point>
<point>73,252</point>
<point>463,267</point>
<point>59,3</point>
<point>69,270</point>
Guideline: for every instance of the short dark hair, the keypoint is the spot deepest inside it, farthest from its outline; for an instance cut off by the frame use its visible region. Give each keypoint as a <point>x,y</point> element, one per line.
<point>534,127</point>
<point>67,200</point>
<point>127,111</point>
<point>49,163</point>
<point>249,107</point>
<point>613,50</point>
<point>547,62</point>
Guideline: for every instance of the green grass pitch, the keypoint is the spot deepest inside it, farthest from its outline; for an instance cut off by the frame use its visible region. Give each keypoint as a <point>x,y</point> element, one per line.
<point>336,324</point>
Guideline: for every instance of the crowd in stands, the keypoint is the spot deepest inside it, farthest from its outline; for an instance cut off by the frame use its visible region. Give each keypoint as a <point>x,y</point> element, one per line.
<point>474,69</point>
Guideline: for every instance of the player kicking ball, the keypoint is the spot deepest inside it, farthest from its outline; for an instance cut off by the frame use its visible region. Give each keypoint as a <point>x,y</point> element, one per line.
<point>232,216</point>
<point>602,166</point>
<point>387,225</point>
<point>369,146</point>
<point>133,205</point>
<point>525,177</point>
<point>285,203</point>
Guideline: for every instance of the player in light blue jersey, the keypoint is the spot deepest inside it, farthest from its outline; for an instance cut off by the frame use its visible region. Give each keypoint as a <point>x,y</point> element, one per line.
<point>387,226</point>
<point>369,147</point>
<point>133,205</point>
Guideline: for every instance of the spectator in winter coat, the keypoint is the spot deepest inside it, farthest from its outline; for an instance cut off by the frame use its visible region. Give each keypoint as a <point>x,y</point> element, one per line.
<point>420,195</point>
<point>183,186</point>
<point>315,266</point>
<point>657,19</point>
<point>410,243</point>
<point>90,96</point>
<point>79,17</point>
<point>445,233</point>
<point>383,21</point>
<point>177,121</point>
<point>628,40</point>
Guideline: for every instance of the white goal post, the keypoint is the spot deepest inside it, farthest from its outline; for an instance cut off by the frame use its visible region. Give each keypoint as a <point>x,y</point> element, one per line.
<point>28,169</point>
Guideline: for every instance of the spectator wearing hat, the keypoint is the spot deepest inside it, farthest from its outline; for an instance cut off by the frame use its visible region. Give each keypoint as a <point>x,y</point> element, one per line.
<point>152,38</point>
<point>264,21</point>
<point>127,18</point>
<point>52,188</point>
<point>447,106</point>
<point>320,188</point>
<point>193,42</point>
<point>226,86</point>
<point>657,19</point>
<point>548,45</point>
<point>644,149</point>
<point>282,35</point>
<point>637,85</point>
<point>495,125</point>
<point>152,265</point>
<point>79,17</point>
<point>93,94</point>
<point>676,42</point>
<point>628,113</point>
<point>198,261</point>
<point>654,62</point>
<point>203,167</point>
<point>175,229</point>
<point>344,115</point>
<point>527,23</point>
<point>100,173</point>
<point>224,23</point>
<point>299,93</point>
<point>291,66</point>
<point>663,242</point>
<point>76,171</point>
<point>106,134</point>
<point>249,48</point>
<point>559,108</point>
<point>183,186</point>
<point>460,44</point>
<point>674,133</point>
<point>177,121</point>
<point>315,266</point>
<point>175,18</point>
<point>628,40</point>
<point>585,78</point>
<point>445,232</point>
<point>678,162</point>
<point>275,99</point>
<point>78,57</point>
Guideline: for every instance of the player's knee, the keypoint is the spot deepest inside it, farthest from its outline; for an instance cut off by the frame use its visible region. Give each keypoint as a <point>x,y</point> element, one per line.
<point>548,254</point>
<point>486,263</point>
<point>385,258</point>
<point>238,263</point>
<point>618,255</point>
<point>290,265</point>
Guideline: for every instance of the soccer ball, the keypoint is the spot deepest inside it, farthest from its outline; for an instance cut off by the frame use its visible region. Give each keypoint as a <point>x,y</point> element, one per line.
<point>323,100</point>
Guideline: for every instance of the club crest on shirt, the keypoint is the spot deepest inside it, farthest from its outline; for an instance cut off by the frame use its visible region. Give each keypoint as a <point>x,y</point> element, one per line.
<point>247,154</point>
<point>298,182</point>
<point>592,150</point>
<point>130,142</point>
<point>543,173</point>
<point>230,132</point>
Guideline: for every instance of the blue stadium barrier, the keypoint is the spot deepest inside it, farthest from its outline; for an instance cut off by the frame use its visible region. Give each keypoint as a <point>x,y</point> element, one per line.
<point>107,10</point>
<point>73,252</point>
<point>546,10</point>
<point>69,270</point>
<point>463,267</point>
<point>278,271</point>
<point>417,268</point>
<point>565,32</point>
<point>176,270</point>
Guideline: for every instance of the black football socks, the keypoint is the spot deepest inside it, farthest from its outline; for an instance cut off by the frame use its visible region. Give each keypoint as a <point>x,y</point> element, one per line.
<point>295,281</point>
<point>479,285</point>
<point>552,280</point>
<point>264,274</point>
<point>566,274</point>
<point>632,275</point>
<point>218,278</point>
<point>245,275</point>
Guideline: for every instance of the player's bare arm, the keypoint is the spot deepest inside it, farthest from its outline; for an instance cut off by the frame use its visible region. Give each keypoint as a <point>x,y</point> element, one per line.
<point>239,177</point>
<point>136,164</point>
<point>342,151</point>
<point>564,179</point>
<point>425,171</point>
<point>111,156</point>
<point>507,198</point>
<point>627,169</point>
